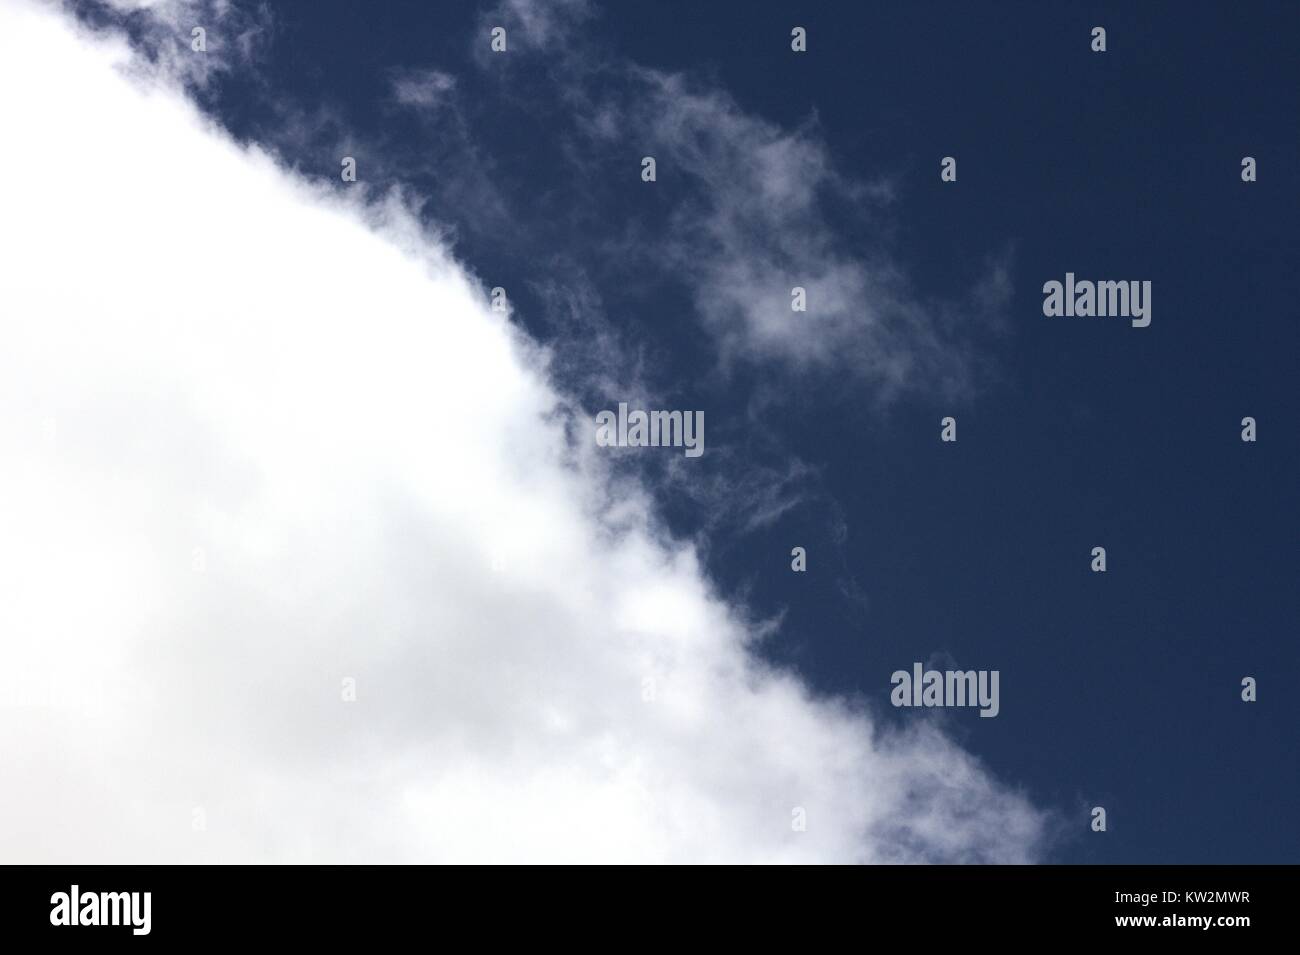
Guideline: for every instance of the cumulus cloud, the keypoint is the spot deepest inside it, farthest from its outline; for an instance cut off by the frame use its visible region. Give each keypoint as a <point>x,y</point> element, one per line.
<point>261,441</point>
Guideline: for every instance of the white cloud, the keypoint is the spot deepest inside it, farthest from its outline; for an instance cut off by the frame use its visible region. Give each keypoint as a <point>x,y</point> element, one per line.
<point>539,24</point>
<point>258,439</point>
<point>165,34</point>
<point>424,88</point>
<point>761,226</point>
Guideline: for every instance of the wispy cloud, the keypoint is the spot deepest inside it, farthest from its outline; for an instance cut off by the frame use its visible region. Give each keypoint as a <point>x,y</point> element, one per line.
<point>425,88</point>
<point>753,222</point>
<point>537,25</point>
<point>164,33</point>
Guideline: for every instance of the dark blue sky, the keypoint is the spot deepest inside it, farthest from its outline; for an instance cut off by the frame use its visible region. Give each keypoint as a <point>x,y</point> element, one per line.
<point>1118,689</point>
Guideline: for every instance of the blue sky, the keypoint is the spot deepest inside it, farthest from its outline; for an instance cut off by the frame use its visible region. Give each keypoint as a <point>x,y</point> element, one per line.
<point>821,169</point>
